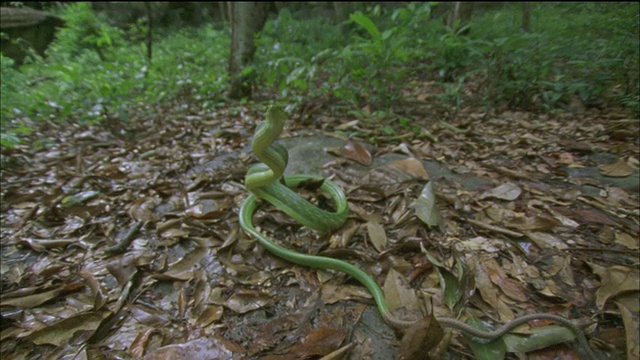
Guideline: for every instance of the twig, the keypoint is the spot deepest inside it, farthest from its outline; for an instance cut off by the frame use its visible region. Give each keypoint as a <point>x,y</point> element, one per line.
<point>494,228</point>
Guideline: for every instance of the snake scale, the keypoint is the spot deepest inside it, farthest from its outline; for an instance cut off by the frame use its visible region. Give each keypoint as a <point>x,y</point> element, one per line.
<point>263,180</point>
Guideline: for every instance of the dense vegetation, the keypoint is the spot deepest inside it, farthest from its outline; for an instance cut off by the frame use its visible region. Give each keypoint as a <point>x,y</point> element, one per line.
<point>585,52</point>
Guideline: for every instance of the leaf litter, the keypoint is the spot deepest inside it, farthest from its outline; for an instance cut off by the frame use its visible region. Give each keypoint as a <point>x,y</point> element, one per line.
<point>129,247</point>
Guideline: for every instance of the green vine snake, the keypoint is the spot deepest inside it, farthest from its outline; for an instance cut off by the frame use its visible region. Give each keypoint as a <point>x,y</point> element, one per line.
<point>263,180</point>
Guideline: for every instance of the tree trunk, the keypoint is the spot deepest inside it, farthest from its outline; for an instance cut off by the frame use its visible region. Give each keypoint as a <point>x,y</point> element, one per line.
<point>149,33</point>
<point>526,16</point>
<point>246,18</point>
<point>462,10</point>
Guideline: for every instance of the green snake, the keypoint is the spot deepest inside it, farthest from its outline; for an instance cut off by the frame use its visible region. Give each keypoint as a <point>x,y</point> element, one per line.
<point>263,181</point>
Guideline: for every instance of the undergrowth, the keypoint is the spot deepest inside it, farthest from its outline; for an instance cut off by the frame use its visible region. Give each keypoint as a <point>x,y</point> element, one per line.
<point>586,52</point>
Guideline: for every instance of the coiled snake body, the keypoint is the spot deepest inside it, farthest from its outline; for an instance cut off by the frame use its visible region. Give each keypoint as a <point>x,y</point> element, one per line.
<point>263,182</point>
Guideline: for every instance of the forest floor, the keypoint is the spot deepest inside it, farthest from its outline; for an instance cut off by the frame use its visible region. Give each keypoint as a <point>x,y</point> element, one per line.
<point>122,241</point>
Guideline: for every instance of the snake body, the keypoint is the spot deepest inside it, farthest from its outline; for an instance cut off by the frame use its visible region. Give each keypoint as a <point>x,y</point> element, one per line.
<point>263,182</point>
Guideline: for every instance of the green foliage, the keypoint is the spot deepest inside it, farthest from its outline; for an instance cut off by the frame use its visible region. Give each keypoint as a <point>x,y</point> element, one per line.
<point>74,84</point>
<point>84,30</point>
<point>586,51</point>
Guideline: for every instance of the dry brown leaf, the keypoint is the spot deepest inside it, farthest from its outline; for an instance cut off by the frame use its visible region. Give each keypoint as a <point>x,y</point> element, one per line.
<point>356,152</point>
<point>420,338</point>
<point>616,280</point>
<point>508,191</point>
<point>546,240</point>
<point>138,347</point>
<point>331,293</point>
<point>509,286</point>
<point>210,314</point>
<point>618,169</point>
<point>319,342</point>
<point>627,240</point>
<point>377,235</point>
<point>412,166</point>
<point>245,300</point>
<point>490,294</point>
<point>629,306</point>
<point>398,292</point>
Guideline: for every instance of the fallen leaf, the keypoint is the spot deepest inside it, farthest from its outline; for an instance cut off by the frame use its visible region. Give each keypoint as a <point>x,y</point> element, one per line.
<point>618,169</point>
<point>616,280</point>
<point>356,152</point>
<point>508,191</point>
<point>63,330</point>
<point>425,207</point>
<point>398,293</point>
<point>412,166</point>
<point>627,240</point>
<point>629,306</point>
<point>377,235</point>
<point>419,338</point>
<point>210,347</point>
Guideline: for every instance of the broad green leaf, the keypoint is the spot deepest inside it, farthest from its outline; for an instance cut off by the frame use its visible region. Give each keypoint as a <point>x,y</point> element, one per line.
<point>494,350</point>
<point>540,338</point>
<point>450,287</point>
<point>367,24</point>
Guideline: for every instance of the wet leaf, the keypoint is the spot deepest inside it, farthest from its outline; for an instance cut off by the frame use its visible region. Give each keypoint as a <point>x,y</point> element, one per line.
<point>210,347</point>
<point>183,269</point>
<point>63,330</point>
<point>31,301</point>
<point>425,207</point>
<point>210,314</point>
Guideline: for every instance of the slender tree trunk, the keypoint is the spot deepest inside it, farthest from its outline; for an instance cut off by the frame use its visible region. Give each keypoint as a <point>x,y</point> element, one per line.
<point>526,16</point>
<point>246,18</point>
<point>149,32</point>
<point>462,10</point>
